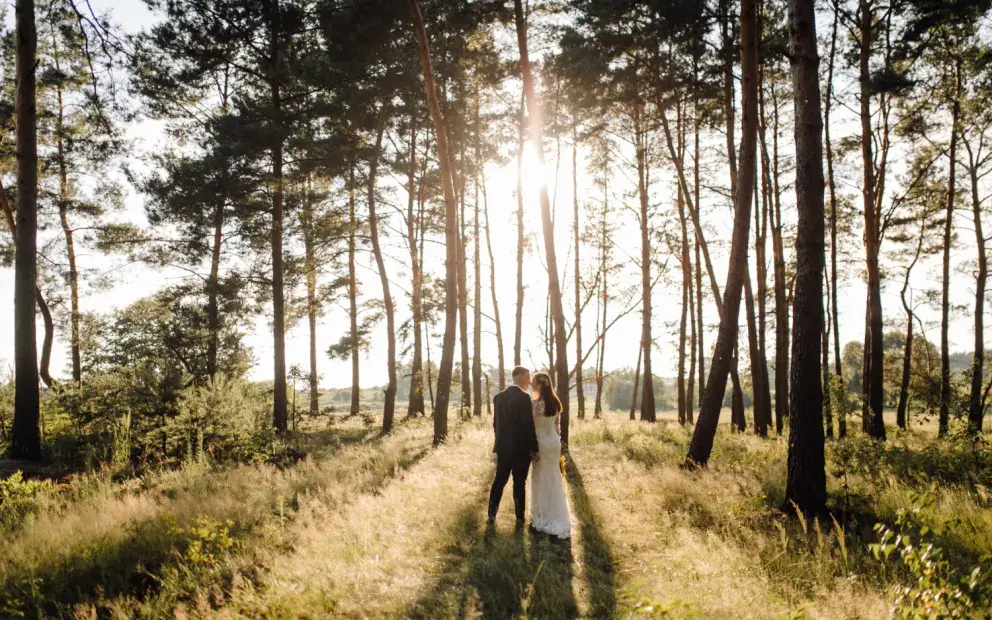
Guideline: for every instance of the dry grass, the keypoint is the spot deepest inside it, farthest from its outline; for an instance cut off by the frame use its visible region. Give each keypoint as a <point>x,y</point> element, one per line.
<point>389,527</point>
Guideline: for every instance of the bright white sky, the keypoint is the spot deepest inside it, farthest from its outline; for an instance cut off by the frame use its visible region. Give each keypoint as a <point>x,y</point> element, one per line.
<point>136,281</point>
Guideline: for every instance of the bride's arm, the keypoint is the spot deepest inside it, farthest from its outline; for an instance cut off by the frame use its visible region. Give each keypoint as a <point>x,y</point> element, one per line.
<point>558,425</point>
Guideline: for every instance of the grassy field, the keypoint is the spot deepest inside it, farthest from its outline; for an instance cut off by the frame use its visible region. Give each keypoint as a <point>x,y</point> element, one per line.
<point>371,526</point>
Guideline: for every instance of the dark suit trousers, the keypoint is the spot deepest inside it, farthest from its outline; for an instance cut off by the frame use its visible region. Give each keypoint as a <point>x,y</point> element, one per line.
<point>508,464</point>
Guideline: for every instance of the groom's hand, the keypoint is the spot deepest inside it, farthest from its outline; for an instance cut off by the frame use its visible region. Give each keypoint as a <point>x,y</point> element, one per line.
<point>537,457</point>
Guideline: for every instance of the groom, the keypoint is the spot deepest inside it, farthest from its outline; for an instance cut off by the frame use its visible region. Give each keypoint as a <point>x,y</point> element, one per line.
<point>516,442</point>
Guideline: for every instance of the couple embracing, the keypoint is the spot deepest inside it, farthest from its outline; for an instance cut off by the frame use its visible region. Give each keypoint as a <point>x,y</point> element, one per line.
<point>527,425</point>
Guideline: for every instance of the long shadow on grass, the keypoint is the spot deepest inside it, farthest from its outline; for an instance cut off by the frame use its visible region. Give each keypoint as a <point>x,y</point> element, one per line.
<point>597,558</point>
<point>134,565</point>
<point>498,574</point>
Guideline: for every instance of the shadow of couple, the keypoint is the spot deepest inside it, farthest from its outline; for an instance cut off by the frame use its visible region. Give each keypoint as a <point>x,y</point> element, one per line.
<point>490,573</point>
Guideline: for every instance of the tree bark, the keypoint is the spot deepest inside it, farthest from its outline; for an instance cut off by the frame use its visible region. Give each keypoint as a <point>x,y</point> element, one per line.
<point>647,341</point>
<point>70,244</point>
<point>681,387</point>
<point>477,292</point>
<point>450,232</point>
<point>415,406</point>
<point>26,433</point>
<point>945,301</point>
<point>580,396</point>
<point>827,104</point>
<point>389,403</point>
<point>279,404</point>
<point>806,485</point>
<point>637,380</point>
<point>754,352</point>
<point>873,376</point>
<point>353,294</point>
<point>518,332</point>
<point>684,393</point>
<point>604,256</point>
<point>466,368</point>
<point>46,315</point>
<point>561,349</point>
<point>976,409</point>
<point>501,363</point>
<point>310,263</point>
<point>781,295</point>
<point>709,414</point>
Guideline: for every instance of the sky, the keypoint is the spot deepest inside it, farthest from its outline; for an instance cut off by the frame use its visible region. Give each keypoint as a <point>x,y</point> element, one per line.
<point>135,281</point>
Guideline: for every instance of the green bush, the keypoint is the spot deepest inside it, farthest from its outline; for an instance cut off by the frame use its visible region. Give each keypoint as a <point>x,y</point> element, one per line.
<point>937,588</point>
<point>19,499</point>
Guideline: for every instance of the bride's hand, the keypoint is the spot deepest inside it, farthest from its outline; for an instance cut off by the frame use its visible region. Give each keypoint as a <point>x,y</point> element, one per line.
<point>537,457</point>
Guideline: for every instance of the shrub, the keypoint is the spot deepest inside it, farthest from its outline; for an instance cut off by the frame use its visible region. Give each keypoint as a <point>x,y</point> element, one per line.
<point>19,499</point>
<point>937,588</point>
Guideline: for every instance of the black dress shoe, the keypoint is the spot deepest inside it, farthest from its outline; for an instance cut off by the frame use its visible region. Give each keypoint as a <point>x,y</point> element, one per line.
<point>491,520</point>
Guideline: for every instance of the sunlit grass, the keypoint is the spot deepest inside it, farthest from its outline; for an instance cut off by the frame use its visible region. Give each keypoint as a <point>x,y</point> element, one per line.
<point>374,526</point>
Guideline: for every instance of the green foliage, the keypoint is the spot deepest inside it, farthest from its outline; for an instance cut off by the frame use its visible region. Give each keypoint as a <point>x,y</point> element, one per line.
<point>19,499</point>
<point>938,588</point>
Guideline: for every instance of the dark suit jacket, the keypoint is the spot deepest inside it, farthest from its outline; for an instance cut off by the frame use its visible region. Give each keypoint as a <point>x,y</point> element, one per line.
<point>513,422</point>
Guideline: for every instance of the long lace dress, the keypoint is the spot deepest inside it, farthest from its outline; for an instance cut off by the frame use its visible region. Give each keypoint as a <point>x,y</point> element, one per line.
<point>549,511</point>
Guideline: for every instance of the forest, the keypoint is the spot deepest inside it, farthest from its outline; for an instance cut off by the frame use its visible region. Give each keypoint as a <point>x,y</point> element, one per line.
<point>269,261</point>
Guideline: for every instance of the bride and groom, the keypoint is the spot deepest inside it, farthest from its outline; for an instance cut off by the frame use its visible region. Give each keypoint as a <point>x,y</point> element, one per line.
<point>527,426</point>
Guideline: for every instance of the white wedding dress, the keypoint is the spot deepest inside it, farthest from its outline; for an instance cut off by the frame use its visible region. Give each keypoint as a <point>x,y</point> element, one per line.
<point>548,502</point>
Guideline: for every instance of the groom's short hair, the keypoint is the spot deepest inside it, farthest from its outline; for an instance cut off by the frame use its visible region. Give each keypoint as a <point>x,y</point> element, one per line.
<point>519,370</point>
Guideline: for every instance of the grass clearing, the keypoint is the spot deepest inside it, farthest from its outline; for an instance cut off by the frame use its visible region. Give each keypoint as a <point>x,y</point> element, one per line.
<point>389,527</point>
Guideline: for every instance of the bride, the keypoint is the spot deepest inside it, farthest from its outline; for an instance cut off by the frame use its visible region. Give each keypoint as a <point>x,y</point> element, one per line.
<point>549,512</point>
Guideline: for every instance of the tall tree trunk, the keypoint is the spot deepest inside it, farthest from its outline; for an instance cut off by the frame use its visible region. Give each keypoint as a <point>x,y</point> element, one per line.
<point>902,418</point>
<point>466,368</point>
<point>353,294</point>
<point>701,354</point>
<point>501,363</point>
<point>647,341</point>
<point>873,376</point>
<point>690,386</point>
<point>70,244</point>
<point>907,359</point>
<point>637,380</point>
<point>415,406</point>
<point>580,396</point>
<point>518,331</point>
<point>604,300</point>
<point>310,259</point>
<point>26,433</point>
<point>945,301</point>
<point>828,418</point>
<point>686,278</point>
<point>213,291</point>
<point>709,414</point>
<point>684,393</point>
<point>561,348</point>
<point>279,404</point>
<point>976,410</point>
<point>754,352</point>
<point>477,292</point>
<point>762,405</point>
<point>827,104</point>
<point>389,404</point>
<point>46,315</point>
<point>450,232</point>
<point>781,295</point>
<point>807,480</point>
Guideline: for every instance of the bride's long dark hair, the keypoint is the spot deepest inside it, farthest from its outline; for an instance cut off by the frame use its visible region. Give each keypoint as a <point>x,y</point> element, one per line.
<point>552,406</point>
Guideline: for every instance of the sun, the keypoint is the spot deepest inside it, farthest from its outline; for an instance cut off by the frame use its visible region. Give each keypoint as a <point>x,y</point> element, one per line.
<point>503,179</point>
